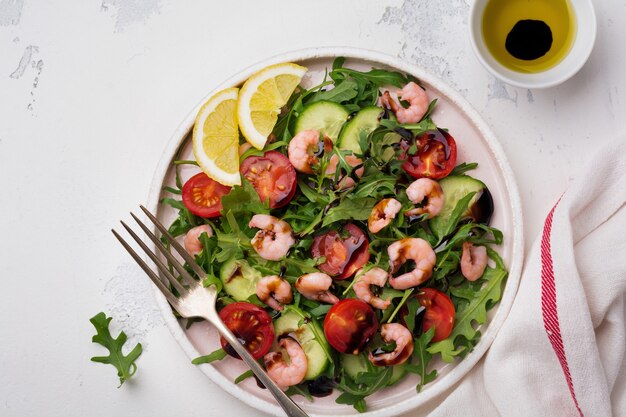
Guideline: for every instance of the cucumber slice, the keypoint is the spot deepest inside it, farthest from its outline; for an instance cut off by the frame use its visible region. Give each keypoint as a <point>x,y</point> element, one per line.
<point>314,349</point>
<point>356,364</point>
<point>325,116</point>
<point>454,189</point>
<point>239,279</point>
<point>397,373</point>
<point>366,120</point>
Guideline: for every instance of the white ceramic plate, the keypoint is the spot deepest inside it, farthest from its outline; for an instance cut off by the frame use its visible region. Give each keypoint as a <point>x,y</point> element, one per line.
<point>475,143</point>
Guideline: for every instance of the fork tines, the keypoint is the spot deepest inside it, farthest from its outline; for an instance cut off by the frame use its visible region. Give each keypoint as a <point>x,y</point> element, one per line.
<point>186,278</point>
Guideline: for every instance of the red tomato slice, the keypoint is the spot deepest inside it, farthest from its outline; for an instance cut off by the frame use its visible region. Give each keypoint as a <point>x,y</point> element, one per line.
<point>344,256</point>
<point>203,195</point>
<point>350,325</point>
<point>435,156</point>
<point>439,312</point>
<point>272,176</point>
<point>252,326</point>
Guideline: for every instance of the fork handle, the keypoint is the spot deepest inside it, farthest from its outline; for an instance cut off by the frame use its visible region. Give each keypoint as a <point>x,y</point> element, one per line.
<point>290,407</point>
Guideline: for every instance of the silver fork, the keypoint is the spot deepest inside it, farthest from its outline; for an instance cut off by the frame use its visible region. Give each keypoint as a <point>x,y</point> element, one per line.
<point>195,300</point>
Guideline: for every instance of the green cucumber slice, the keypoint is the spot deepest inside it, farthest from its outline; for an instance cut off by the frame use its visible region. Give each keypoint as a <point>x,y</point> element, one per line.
<point>239,279</point>
<point>366,120</point>
<point>326,117</point>
<point>314,349</point>
<point>356,364</point>
<point>454,189</point>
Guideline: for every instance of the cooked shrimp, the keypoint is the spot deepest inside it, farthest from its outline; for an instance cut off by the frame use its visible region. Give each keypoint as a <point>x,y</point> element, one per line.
<point>375,276</point>
<point>417,250</point>
<point>382,214</point>
<point>274,239</point>
<point>303,150</point>
<point>315,286</point>
<point>404,345</point>
<point>274,291</point>
<point>429,190</point>
<point>473,261</point>
<point>418,103</point>
<point>286,375</point>
<point>192,242</point>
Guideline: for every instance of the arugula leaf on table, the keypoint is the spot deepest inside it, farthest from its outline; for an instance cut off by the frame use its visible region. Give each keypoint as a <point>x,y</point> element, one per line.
<point>469,314</point>
<point>125,364</point>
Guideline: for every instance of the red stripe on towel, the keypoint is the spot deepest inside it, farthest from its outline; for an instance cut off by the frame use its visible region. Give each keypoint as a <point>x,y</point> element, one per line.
<point>548,305</point>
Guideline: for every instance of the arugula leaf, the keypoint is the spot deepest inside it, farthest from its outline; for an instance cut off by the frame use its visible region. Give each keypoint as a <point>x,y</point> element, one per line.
<point>354,392</point>
<point>344,91</point>
<point>463,168</point>
<point>216,355</point>
<point>413,306</point>
<point>423,359</point>
<point>448,225</point>
<point>260,152</point>
<point>125,364</point>
<point>475,312</point>
<point>350,209</point>
<point>377,186</point>
<point>311,194</point>
<point>299,389</point>
<point>185,220</point>
<point>378,77</point>
<point>357,401</point>
<point>243,199</point>
<point>244,376</point>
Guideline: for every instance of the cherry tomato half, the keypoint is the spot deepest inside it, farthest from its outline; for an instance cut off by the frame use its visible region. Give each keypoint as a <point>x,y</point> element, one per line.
<point>252,326</point>
<point>350,325</point>
<point>203,196</point>
<point>344,255</point>
<point>435,156</point>
<point>272,176</point>
<point>439,312</point>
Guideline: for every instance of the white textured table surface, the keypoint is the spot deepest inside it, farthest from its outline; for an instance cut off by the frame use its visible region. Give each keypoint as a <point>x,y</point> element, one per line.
<point>90,92</point>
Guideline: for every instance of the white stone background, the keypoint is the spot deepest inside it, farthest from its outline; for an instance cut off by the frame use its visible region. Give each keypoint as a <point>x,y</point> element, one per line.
<point>90,92</point>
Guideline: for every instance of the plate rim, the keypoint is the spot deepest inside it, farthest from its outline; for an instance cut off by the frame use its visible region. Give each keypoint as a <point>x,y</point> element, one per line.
<point>517,251</point>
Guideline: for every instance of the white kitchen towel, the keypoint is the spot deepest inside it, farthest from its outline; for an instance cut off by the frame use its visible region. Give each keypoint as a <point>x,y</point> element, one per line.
<point>561,351</point>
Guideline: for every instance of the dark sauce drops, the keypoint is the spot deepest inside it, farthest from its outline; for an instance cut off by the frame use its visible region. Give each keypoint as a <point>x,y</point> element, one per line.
<point>529,39</point>
<point>231,351</point>
<point>321,387</point>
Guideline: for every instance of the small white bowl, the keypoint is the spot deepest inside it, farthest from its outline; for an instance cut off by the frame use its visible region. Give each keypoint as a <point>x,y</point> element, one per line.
<point>573,61</point>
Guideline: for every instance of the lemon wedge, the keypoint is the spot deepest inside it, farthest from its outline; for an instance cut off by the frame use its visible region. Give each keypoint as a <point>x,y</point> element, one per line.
<point>261,98</point>
<point>216,138</point>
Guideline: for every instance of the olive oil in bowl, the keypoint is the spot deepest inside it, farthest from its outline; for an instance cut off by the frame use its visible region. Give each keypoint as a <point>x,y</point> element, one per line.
<point>528,36</point>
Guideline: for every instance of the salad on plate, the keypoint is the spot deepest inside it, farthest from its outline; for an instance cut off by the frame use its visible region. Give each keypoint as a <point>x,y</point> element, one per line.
<point>349,245</point>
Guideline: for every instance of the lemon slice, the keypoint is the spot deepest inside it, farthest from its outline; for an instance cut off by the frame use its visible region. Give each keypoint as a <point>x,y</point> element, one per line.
<point>216,138</point>
<point>262,97</point>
